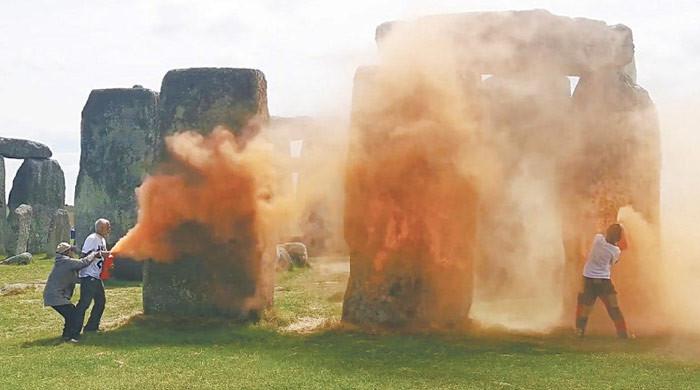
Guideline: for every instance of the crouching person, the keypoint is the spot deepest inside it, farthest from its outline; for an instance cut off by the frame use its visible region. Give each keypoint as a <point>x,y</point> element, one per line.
<point>61,283</point>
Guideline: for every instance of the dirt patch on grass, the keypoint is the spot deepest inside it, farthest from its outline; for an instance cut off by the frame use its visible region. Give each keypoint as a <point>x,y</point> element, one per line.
<point>20,288</point>
<point>305,325</point>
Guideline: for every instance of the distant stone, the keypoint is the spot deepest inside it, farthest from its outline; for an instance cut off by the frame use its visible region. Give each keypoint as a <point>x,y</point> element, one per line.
<point>18,224</point>
<point>38,182</point>
<point>3,206</point>
<point>284,259</point>
<point>41,184</point>
<point>297,252</point>
<point>117,137</point>
<point>23,149</point>
<point>21,259</point>
<point>59,230</point>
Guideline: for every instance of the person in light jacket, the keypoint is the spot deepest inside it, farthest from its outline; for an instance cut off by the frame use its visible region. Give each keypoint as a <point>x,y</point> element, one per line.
<point>61,283</point>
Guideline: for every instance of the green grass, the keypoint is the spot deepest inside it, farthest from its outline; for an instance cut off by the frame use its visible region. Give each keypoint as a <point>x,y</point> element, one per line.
<point>300,344</point>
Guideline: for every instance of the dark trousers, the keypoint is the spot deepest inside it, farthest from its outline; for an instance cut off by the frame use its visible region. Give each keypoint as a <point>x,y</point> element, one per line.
<point>603,289</point>
<point>91,289</point>
<point>66,311</point>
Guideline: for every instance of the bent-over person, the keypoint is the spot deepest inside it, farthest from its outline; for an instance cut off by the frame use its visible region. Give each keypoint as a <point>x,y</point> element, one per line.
<point>61,284</point>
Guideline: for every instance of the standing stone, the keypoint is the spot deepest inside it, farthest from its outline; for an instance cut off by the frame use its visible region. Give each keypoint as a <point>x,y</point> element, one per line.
<point>409,215</point>
<point>41,184</point>
<point>3,207</point>
<point>23,149</point>
<point>118,137</point>
<point>19,222</point>
<point>38,182</point>
<point>620,124</point>
<point>220,282</point>
<point>59,230</point>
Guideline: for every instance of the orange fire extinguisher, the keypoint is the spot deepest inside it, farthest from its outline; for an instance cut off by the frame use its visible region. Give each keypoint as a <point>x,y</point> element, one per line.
<point>107,267</point>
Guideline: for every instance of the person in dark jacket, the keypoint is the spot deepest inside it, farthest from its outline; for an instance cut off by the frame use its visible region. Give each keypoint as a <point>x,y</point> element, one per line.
<point>61,283</point>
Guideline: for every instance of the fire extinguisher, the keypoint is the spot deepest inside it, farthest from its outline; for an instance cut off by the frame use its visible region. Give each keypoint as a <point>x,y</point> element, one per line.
<point>107,267</point>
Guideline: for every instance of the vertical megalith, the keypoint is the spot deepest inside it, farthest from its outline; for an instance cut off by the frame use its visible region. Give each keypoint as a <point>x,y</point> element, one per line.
<point>409,213</point>
<point>19,222</point>
<point>223,278</point>
<point>619,166</point>
<point>59,230</point>
<point>118,137</point>
<point>41,184</point>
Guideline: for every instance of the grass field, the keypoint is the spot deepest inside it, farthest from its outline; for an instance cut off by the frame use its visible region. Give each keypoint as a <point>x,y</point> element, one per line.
<point>300,344</point>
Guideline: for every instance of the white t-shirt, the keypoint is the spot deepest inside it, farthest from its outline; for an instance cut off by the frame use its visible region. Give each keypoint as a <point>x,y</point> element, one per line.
<point>93,242</point>
<point>601,257</point>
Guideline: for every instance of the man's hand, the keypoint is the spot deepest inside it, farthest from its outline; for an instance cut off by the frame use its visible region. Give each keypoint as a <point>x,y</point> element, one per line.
<point>104,254</point>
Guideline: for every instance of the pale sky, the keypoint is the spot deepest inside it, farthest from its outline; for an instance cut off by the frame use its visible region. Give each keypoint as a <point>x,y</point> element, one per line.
<point>52,53</point>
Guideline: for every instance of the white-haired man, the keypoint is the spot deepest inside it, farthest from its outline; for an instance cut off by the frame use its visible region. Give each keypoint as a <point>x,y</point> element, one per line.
<point>91,287</point>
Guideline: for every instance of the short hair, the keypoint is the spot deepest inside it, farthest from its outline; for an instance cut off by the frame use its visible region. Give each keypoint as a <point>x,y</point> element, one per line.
<point>614,233</point>
<point>100,222</point>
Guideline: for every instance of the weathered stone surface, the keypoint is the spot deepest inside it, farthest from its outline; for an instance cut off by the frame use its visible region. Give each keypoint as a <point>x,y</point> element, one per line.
<point>620,123</point>
<point>409,216</point>
<point>23,149</point>
<point>127,269</point>
<point>21,259</point>
<point>203,98</point>
<point>39,231</point>
<point>297,253</point>
<point>41,184</point>
<point>118,136</point>
<point>224,281</point>
<point>19,222</point>
<point>3,206</point>
<point>59,231</point>
<point>506,42</point>
<point>284,259</point>
<point>38,182</point>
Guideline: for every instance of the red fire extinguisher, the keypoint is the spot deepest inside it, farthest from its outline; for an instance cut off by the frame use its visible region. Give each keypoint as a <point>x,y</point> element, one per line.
<point>107,267</point>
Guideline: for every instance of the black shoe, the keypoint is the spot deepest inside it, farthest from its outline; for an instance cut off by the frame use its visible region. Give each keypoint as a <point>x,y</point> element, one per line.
<point>92,331</point>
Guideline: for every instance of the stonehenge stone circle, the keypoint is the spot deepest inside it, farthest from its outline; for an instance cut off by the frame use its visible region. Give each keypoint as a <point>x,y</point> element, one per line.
<point>607,107</point>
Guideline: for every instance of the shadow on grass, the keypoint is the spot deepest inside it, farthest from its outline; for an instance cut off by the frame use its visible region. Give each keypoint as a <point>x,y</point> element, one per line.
<point>146,331</point>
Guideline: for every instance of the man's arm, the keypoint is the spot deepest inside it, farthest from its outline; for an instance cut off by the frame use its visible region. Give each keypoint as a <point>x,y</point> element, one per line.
<point>84,262</point>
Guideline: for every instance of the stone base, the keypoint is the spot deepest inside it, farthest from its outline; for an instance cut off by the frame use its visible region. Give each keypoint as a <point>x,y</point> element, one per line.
<point>192,287</point>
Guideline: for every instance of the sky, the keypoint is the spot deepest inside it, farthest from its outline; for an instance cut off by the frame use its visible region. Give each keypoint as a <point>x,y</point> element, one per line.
<point>54,53</point>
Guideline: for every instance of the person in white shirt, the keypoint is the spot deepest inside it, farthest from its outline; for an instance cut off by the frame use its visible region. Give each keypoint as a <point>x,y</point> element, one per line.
<point>605,252</point>
<point>91,287</point>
